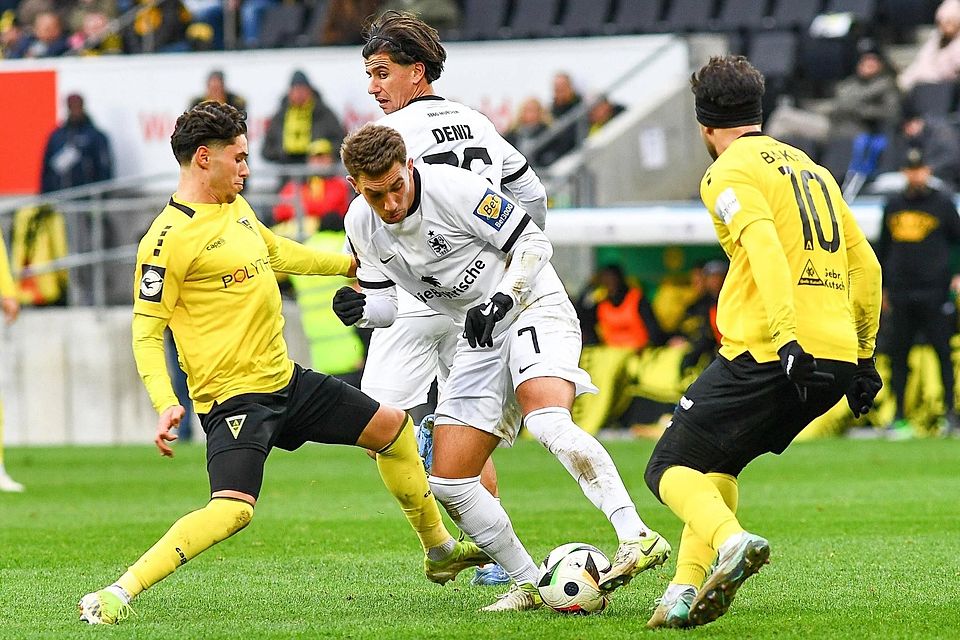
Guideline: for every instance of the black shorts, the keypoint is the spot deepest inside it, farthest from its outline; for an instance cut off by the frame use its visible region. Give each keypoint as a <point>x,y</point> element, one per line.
<point>736,411</point>
<point>313,407</point>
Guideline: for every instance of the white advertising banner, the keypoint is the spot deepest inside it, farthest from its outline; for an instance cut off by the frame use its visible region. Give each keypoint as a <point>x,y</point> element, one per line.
<point>136,99</point>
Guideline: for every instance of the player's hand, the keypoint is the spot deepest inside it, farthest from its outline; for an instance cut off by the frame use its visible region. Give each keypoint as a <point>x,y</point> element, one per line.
<point>478,326</point>
<point>169,419</point>
<point>864,387</point>
<point>348,305</point>
<point>801,369</point>
<point>11,309</point>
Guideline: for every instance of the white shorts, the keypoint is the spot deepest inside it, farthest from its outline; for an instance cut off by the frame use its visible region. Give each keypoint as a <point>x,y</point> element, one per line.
<point>404,358</point>
<point>481,389</point>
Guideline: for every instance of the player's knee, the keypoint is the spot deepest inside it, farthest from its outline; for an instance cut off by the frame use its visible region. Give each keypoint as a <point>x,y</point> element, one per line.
<point>234,514</point>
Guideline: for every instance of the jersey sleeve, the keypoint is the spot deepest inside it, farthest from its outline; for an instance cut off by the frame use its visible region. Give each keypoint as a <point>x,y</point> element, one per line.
<point>7,288</point>
<point>489,215</point>
<point>288,256</point>
<point>162,262</point>
<point>730,194</point>
<point>369,275</point>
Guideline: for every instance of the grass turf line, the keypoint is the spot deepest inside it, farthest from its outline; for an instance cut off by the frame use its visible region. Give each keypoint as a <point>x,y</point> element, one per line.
<point>865,538</point>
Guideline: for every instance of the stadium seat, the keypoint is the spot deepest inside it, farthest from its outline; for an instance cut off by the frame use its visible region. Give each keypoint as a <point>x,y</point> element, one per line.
<point>281,25</point>
<point>687,15</point>
<point>533,19</point>
<point>774,53</point>
<point>737,15</point>
<point>585,17</point>
<point>862,10</point>
<point>792,14</point>
<point>482,20</point>
<point>936,99</point>
<point>908,14</point>
<point>637,16</point>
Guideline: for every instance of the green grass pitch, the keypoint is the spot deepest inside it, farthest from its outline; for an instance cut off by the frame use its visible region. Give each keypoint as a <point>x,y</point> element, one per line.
<point>865,543</point>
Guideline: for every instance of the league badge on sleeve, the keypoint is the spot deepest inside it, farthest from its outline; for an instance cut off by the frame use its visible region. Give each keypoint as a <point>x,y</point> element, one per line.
<point>151,282</point>
<point>727,205</point>
<point>494,209</point>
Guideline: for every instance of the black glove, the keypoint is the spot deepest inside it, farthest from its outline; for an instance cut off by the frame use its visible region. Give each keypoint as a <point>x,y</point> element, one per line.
<point>348,305</point>
<point>478,327</point>
<point>864,387</point>
<point>801,368</point>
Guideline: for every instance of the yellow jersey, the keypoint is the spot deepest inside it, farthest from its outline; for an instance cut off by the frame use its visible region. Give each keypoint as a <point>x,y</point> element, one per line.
<point>7,288</point>
<point>208,269</point>
<point>758,178</point>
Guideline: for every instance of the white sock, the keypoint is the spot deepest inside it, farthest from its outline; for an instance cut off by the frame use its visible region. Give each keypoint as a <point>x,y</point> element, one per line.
<point>442,551</point>
<point>482,518</point>
<point>590,465</point>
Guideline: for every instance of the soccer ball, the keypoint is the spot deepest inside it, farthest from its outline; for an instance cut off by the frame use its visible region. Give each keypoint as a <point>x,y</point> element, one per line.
<point>569,580</point>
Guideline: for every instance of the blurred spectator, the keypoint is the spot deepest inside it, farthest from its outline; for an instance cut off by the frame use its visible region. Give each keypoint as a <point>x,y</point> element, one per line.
<point>335,349</point>
<point>322,193</point>
<point>532,120</point>
<point>699,326</point>
<point>29,9</point>
<point>938,59</point>
<point>206,22</point>
<point>345,20</point>
<point>439,14</point>
<point>11,34</point>
<point>251,14</point>
<point>920,228</point>
<point>46,40</point>
<point>77,152</point>
<point>937,140</point>
<point>601,112</point>
<point>565,99</point>
<point>160,25</point>
<point>866,102</point>
<point>621,313</point>
<point>217,91</point>
<point>39,236</point>
<point>94,36</point>
<point>302,118</point>
<point>74,15</point>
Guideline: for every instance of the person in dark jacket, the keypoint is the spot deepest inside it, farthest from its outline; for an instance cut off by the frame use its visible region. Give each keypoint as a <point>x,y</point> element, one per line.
<point>920,226</point>
<point>302,118</point>
<point>77,152</point>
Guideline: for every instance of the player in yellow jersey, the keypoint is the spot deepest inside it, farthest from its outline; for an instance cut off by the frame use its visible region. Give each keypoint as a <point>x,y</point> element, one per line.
<point>205,268</point>
<point>798,313</point>
<point>10,308</point>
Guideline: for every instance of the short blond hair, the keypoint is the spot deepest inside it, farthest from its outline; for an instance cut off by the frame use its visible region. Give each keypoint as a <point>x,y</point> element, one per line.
<point>372,150</point>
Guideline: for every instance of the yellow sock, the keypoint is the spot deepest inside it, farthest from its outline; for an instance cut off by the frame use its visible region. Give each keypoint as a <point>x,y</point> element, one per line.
<point>695,556</point>
<point>402,472</point>
<point>186,539</point>
<point>697,501</point>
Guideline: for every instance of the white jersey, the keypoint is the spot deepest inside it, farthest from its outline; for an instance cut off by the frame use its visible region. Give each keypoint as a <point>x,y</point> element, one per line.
<point>440,131</point>
<point>450,251</point>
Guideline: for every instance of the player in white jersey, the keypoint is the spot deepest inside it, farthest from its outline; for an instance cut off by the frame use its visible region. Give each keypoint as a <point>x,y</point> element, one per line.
<point>422,342</point>
<point>403,56</point>
<point>460,246</point>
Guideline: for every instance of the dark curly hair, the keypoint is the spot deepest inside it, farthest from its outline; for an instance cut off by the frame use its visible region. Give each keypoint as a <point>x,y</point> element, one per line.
<point>209,123</point>
<point>727,81</point>
<point>372,150</point>
<point>406,39</point>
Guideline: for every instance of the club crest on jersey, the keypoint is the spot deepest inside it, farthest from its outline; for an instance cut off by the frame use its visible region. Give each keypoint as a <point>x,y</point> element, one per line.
<point>246,222</point>
<point>438,243</point>
<point>151,282</point>
<point>235,423</point>
<point>494,209</point>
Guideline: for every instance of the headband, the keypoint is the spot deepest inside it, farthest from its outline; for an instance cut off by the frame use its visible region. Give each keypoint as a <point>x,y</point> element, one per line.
<point>717,116</point>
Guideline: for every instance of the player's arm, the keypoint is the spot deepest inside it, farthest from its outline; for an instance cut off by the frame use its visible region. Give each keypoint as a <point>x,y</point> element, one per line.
<point>524,183</point>
<point>866,284</point>
<point>151,362</point>
<point>288,256</point>
<point>375,305</point>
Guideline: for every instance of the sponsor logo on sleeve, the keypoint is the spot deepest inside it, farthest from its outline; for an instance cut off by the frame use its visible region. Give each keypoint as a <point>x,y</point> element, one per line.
<point>726,205</point>
<point>494,209</point>
<point>151,282</point>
